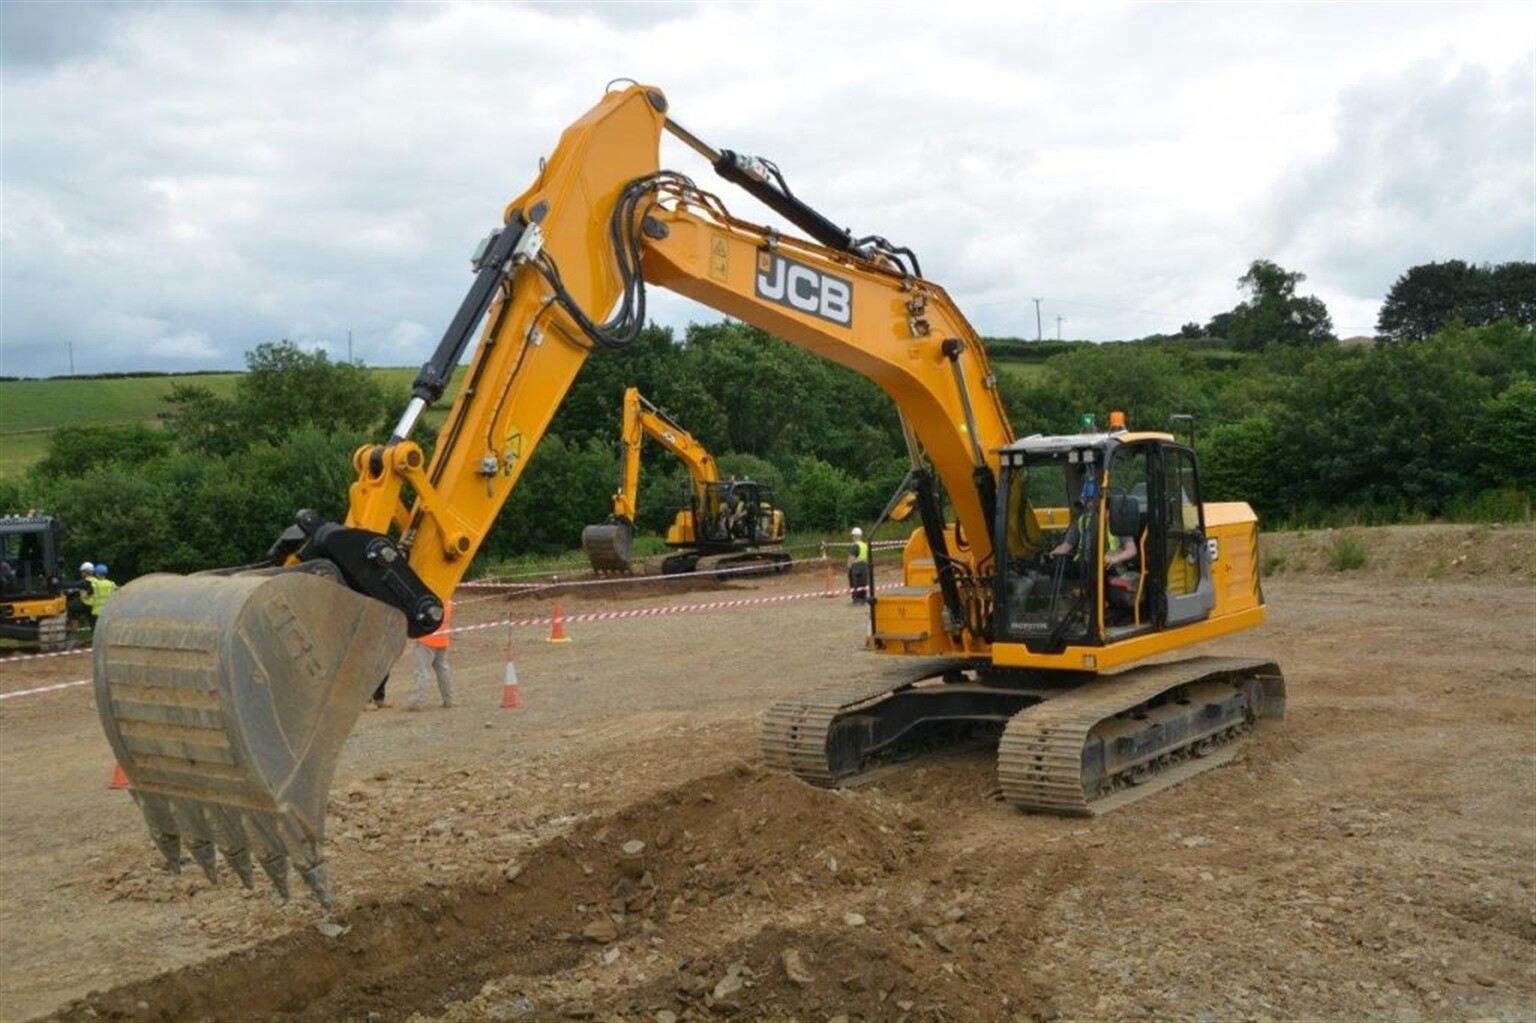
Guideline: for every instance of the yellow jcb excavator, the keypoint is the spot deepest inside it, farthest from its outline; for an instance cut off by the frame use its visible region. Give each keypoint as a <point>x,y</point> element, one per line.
<point>34,602</point>
<point>227,695</point>
<point>735,517</point>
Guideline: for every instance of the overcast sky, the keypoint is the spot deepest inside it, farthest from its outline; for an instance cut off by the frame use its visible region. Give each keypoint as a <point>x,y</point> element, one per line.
<point>182,181</point>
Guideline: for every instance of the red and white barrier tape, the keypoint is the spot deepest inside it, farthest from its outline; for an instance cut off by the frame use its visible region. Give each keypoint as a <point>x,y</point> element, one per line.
<point>521,588</point>
<point>46,689</point>
<point>529,588</point>
<point>584,616</point>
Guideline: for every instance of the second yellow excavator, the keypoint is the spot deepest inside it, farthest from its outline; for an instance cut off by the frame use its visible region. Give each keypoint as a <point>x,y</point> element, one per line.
<point>736,518</point>
<point>227,696</point>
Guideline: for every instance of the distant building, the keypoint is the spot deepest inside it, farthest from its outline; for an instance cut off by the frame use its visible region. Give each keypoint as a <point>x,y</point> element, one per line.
<point>1358,341</point>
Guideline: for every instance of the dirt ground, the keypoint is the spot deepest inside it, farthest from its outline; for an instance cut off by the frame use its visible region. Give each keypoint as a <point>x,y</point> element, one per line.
<point>1372,857</point>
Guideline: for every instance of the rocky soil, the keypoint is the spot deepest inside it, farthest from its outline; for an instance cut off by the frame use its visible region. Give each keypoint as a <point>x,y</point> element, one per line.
<point>613,849</point>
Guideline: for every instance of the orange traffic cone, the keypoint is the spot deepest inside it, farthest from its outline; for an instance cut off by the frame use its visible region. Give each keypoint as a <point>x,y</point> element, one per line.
<point>511,696</point>
<point>557,627</point>
<point>119,778</point>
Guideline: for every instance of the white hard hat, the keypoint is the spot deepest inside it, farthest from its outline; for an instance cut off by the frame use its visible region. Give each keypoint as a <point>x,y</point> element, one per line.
<point>86,566</point>
<point>857,531</point>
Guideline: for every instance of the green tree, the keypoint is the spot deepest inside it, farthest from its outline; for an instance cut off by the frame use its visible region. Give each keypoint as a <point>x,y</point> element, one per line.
<point>1387,427</point>
<point>820,497</point>
<point>121,516</point>
<point>1273,313</point>
<point>77,450</point>
<point>1506,430</point>
<point>199,420</point>
<point>1147,383</point>
<point>1431,296</point>
<point>282,390</point>
<point>1243,461</point>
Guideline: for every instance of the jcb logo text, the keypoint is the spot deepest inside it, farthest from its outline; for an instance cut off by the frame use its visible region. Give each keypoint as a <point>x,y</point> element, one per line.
<point>788,283</point>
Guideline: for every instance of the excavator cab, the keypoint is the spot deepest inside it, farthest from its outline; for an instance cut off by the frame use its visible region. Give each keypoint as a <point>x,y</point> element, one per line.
<point>1097,493</point>
<point>736,518</point>
<point>739,514</point>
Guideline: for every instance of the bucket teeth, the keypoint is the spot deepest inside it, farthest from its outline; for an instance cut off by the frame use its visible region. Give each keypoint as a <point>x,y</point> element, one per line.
<point>269,849</point>
<point>162,826</point>
<point>319,883</point>
<point>276,868</point>
<point>199,836</point>
<point>240,860</point>
<point>233,842</point>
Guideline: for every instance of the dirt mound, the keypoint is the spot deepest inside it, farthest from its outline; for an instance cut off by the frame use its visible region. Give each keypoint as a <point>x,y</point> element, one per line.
<point>691,860</point>
<point>1427,552</point>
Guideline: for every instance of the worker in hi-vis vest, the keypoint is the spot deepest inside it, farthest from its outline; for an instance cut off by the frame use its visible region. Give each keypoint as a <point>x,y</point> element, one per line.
<point>858,567</point>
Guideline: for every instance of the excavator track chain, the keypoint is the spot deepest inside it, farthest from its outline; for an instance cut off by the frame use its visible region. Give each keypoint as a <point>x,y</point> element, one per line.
<point>227,699</point>
<point>756,563</point>
<point>1122,737</point>
<point>1063,748</point>
<point>833,734</point>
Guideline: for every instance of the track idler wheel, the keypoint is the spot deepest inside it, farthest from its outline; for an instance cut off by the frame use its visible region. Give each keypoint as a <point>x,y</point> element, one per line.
<point>227,699</point>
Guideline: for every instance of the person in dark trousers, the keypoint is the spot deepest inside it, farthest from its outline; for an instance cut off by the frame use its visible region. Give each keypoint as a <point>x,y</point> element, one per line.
<point>858,567</point>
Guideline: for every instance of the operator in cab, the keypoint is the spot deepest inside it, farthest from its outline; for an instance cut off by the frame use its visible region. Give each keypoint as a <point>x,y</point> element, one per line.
<point>1080,534</point>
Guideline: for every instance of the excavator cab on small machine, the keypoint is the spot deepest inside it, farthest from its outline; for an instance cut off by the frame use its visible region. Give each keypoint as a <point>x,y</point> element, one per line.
<point>735,519</point>
<point>34,607</point>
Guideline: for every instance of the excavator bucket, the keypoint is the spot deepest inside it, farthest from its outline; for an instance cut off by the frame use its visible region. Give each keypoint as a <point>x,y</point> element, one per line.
<point>608,546</point>
<point>227,699</point>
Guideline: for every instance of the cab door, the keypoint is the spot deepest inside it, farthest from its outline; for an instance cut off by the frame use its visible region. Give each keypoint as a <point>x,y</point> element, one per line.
<point>1183,555</point>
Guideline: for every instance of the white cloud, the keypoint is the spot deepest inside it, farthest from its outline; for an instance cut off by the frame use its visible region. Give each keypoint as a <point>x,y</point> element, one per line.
<point>189,346</point>
<point>242,173</point>
<point>409,343</point>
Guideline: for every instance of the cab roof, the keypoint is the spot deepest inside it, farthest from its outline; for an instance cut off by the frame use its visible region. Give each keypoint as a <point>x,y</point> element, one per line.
<point>1057,443</point>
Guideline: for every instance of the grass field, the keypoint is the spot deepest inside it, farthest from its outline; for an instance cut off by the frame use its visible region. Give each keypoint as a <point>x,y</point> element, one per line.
<point>1028,371</point>
<point>30,410</point>
<point>28,406</point>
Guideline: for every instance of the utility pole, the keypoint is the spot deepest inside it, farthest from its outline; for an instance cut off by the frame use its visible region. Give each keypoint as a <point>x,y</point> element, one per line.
<point>71,346</point>
<point>1058,327</point>
<point>1039,334</point>
<point>349,346</point>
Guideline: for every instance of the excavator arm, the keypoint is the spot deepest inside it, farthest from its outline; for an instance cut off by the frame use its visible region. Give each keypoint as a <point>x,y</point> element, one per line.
<point>227,696</point>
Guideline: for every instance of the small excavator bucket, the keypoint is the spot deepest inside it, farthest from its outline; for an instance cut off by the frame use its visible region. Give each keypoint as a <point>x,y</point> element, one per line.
<point>227,700</point>
<point>608,546</point>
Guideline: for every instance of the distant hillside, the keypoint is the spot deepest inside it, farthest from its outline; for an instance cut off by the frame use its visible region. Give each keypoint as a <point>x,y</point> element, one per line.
<point>31,409</point>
